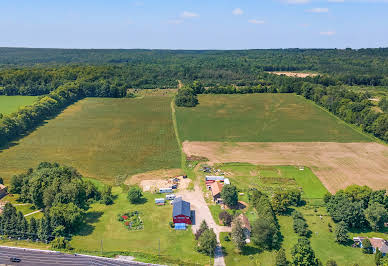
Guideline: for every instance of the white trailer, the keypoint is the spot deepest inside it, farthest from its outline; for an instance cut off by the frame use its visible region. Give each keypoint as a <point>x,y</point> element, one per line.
<point>170,196</point>
<point>165,190</point>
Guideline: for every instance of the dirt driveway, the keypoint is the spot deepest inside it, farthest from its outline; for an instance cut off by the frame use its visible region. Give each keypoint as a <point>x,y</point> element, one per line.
<point>337,165</point>
<point>202,212</point>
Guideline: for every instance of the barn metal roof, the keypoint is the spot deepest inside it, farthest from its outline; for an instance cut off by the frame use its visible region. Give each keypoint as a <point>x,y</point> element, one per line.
<point>181,207</point>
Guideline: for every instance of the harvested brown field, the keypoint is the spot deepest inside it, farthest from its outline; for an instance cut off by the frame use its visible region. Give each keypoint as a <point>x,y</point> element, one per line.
<point>294,74</point>
<point>337,165</point>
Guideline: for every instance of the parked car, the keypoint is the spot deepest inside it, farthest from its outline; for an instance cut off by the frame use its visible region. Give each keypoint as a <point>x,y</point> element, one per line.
<point>14,259</point>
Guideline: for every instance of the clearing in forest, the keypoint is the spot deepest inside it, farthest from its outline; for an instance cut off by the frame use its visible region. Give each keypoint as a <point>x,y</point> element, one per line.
<point>337,165</point>
<point>102,138</point>
<point>262,118</point>
<point>10,104</point>
<point>294,74</point>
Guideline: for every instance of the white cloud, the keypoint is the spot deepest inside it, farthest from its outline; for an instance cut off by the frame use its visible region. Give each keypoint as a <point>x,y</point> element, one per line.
<point>327,33</point>
<point>255,21</point>
<point>318,10</point>
<point>237,11</point>
<point>187,14</point>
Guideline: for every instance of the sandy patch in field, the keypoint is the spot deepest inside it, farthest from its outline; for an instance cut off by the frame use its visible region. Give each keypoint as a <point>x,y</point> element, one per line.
<point>294,74</point>
<point>337,165</point>
<point>156,184</point>
<point>154,175</point>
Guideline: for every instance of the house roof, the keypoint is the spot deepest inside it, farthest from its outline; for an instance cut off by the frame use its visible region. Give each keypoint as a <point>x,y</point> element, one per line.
<point>379,243</point>
<point>181,207</point>
<point>244,222</point>
<point>216,188</point>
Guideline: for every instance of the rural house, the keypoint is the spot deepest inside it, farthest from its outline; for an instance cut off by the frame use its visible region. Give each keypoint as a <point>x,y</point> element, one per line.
<point>3,191</point>
<point>181,212</point>
<point>216,189</point>
<point>376,242</point>
<point>246,226</point>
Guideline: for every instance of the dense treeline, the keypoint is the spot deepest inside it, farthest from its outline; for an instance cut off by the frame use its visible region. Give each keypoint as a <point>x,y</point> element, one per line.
<point>265,229</point>
<point>358,207</point>
<point>60,192</point>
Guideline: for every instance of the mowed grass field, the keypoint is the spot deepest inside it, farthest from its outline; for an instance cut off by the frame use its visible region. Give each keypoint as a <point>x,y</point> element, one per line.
<point>261,118</point>
<point>176,247</point>
<point>102,138</point>
<point>10,104</point>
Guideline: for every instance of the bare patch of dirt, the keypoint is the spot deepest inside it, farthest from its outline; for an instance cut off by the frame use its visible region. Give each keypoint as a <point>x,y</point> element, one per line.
<point>154,175</point>
<point>337,165</point>
<point>294,74</point>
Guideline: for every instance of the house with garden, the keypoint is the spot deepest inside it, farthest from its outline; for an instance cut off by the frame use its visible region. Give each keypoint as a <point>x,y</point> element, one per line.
<point>376,243</point>
<point>216,189</point>
<point>246,226</point>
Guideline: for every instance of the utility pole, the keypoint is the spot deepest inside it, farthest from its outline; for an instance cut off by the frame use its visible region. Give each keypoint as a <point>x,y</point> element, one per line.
<point>159,249</point>
<point>102,251</point>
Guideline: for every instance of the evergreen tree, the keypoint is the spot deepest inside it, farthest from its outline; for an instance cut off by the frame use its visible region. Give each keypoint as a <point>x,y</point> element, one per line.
<point>378,257</point>
<point>207,242</point>
<point>238,236</point>
<point>33,229</point>
<point>367,246</point>
<point>341,233</point>
<point>281,259</point>
<point>303,254</point>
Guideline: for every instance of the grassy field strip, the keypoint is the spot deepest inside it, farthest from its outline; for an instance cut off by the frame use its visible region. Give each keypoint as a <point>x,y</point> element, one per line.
<point>103,138</point>
<point>10,104</point>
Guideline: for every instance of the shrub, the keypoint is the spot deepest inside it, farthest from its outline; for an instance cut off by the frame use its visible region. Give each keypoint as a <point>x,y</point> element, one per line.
<point>135,195</point>
<point>367,246</point>
<point>225,217</point>
<point>60,243</point>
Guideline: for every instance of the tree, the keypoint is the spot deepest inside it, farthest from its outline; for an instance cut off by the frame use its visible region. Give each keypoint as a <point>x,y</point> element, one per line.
<point>70,216</point>
<point>378,257</point>
<point>303,254</point>
<point>106,195</point>
<point>281,259</point>
<point>33,229</point>
<point>229,195</point>
<point>202,228</point>
<point>225,217</point>
<point>265,234</point>
<point>60,243</point>
<point>367,246</point>
<point>331,262</point>
<point>280,201</point>
<point>376,215</point>
<point>186,97</point>
<point>1,180</point>
<point>341,233</point>
<point>135,195</point>
<point>207,242</point>
<point>238,236</point>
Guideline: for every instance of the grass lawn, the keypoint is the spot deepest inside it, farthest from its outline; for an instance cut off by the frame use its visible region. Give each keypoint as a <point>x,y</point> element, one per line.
<point>10,104</point>
<point>268,178</point>
<point>103,225</point>
<point>261,118</point>
<point>102,138</point>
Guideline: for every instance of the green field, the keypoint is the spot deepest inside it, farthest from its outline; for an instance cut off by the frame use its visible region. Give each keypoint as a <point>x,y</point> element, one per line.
<point>102,138</point>
<point>10,104</point>
<point>175,246</point>
<point>261,118</point>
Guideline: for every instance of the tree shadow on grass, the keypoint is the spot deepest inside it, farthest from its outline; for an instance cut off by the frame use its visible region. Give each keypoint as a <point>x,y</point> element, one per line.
<point>143,200</point>
<point>250,250</point>
<point>87,227</point>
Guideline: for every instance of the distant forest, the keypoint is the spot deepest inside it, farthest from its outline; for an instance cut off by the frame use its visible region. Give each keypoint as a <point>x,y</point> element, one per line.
<point>67,75</point>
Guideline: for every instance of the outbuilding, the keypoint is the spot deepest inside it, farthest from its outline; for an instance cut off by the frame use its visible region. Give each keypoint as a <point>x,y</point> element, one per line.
<point>181,212</point>
<point>170,196</point>
<point>160,201</point>
<point>165,190</point>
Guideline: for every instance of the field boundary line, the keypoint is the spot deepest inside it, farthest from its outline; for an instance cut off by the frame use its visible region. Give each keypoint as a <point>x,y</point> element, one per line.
<point>354,127</point>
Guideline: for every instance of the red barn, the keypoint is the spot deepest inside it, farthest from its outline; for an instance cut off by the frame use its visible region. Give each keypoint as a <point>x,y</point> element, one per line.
<point>181,211</point>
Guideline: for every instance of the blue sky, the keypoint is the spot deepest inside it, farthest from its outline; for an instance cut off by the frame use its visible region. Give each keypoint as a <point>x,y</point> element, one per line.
<point>194,24</point>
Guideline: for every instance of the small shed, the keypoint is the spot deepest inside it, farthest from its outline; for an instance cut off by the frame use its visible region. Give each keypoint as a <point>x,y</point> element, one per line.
<point>180,226</point>
<point>165,190</point>
<point>170,196</point>
<point>226,181</point>
<point>215,178</point>
<point>160,201</point>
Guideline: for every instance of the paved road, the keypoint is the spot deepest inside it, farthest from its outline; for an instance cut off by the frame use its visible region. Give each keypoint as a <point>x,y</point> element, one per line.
<point>202,212</point>
<point>40,257</point>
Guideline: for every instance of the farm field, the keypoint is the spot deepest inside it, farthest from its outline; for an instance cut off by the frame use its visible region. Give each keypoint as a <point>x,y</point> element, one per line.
<point>10,104</point>
<point>176,247</point>
<point>103,138</point>
<point>261,118</point>
<point>337,165</point>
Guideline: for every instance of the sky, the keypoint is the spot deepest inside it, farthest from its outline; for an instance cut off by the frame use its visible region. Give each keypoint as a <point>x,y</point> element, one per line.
<point>194,24</point>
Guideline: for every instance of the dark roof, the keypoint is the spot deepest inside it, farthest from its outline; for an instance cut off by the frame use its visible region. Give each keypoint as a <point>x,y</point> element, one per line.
<point>181,207</point>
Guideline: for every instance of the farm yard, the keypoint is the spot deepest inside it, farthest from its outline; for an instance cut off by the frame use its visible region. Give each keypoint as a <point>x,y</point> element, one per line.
<point>261,118</point>
<point>103,138</point>
<point>10,104</point>
<point>337,165</point>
